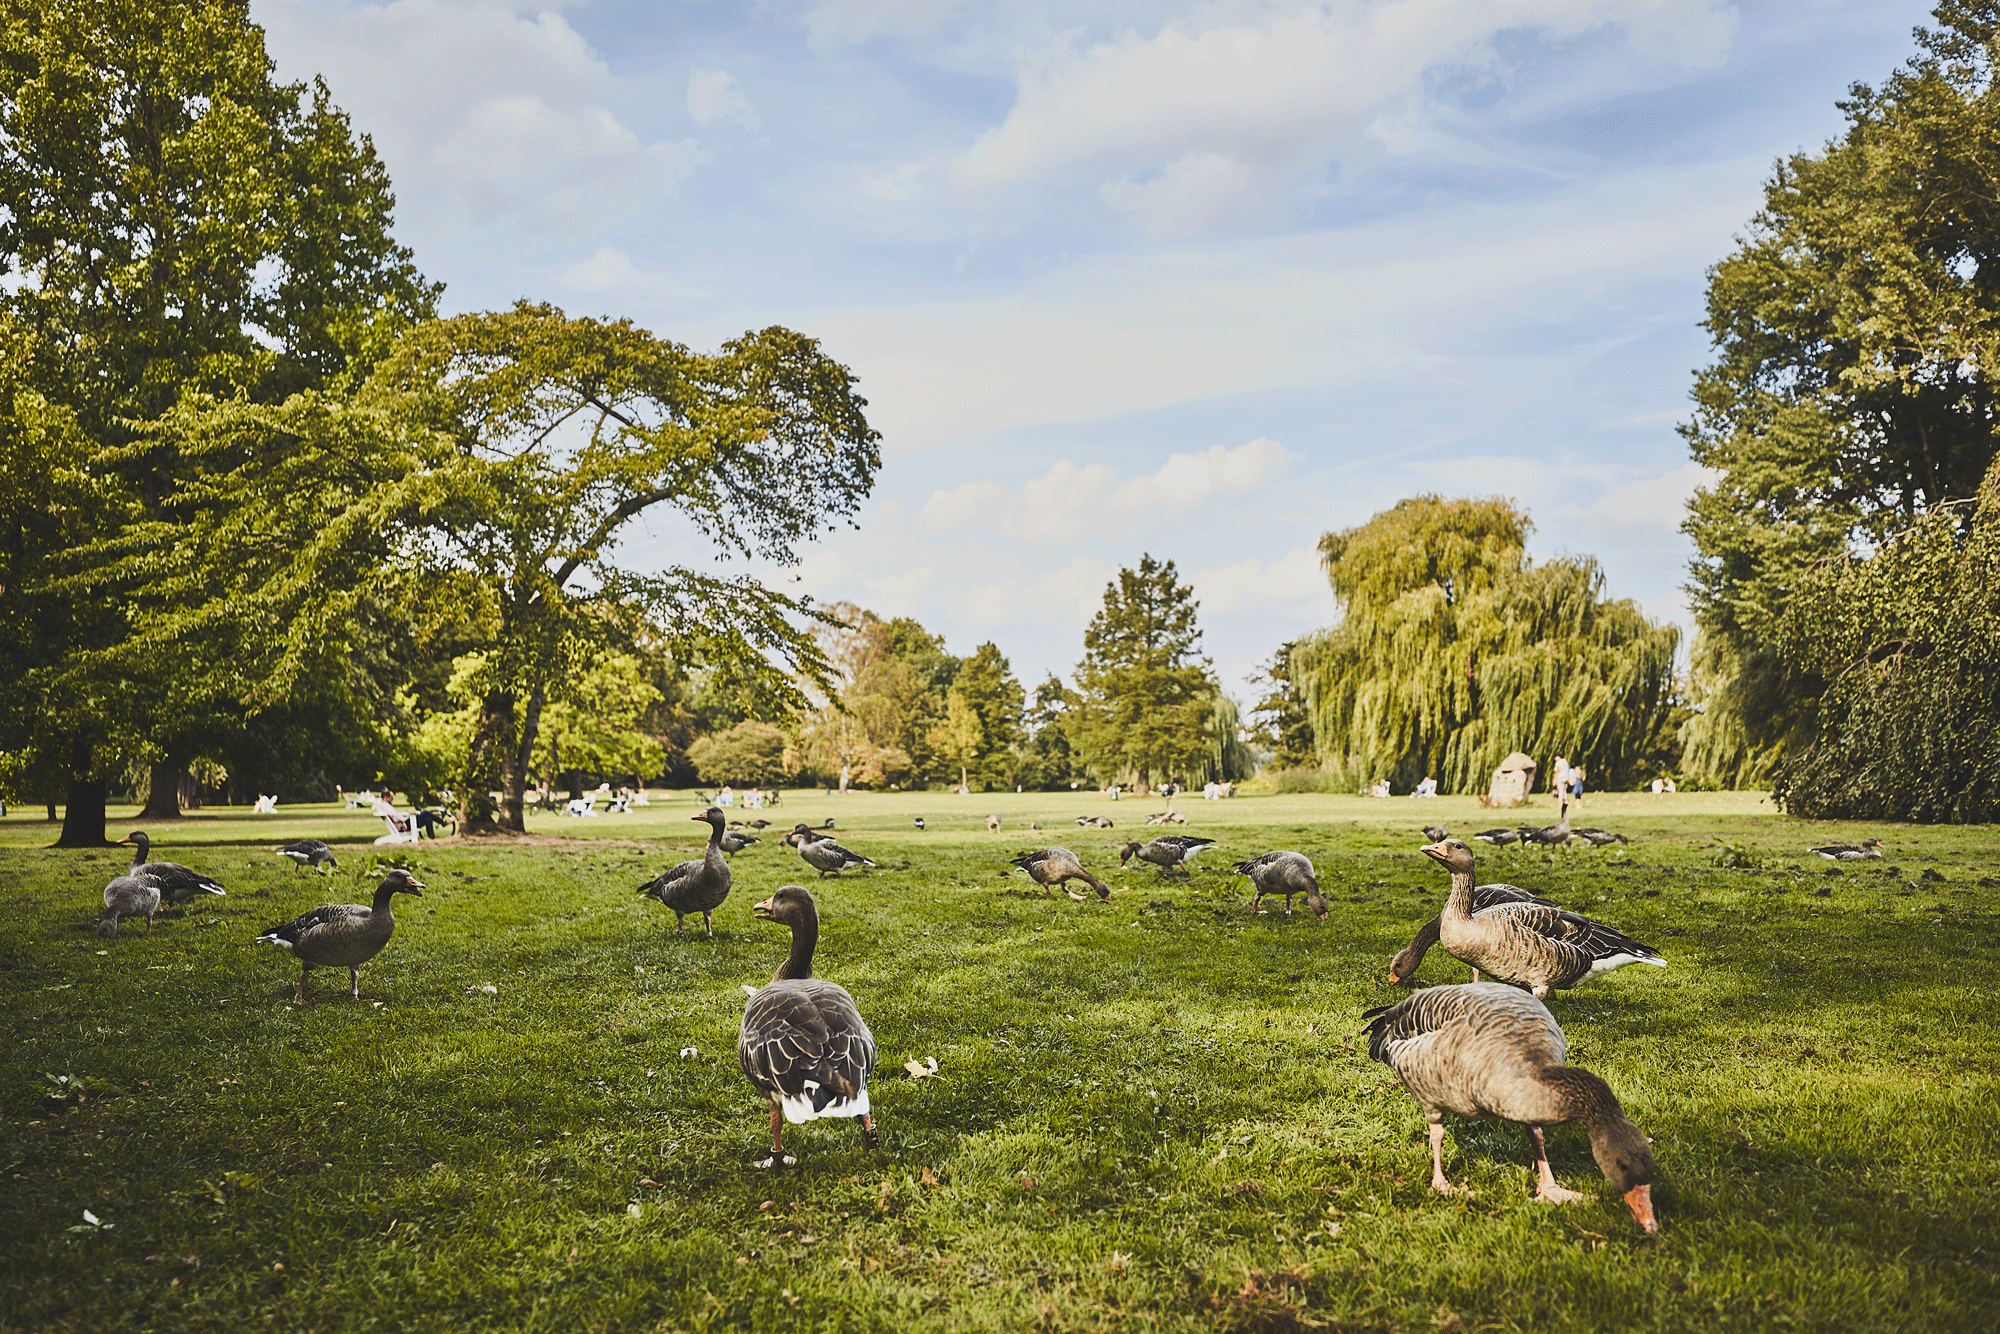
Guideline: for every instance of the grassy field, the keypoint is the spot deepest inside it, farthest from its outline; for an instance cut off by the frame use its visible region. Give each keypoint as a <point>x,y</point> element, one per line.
<point>1151,1113</point>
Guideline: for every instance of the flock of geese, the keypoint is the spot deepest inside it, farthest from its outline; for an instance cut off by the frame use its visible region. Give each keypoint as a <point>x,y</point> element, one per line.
<point>1490,1048</point>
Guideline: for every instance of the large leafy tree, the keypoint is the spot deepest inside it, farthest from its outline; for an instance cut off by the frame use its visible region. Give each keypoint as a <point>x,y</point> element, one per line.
<point>1454,650</point>
<point>1143,691</point>
<point>1856,328</point>
<point>986,683</point>
<point>172,220</point>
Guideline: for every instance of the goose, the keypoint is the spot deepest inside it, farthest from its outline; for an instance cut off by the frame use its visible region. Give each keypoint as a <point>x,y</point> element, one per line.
<point>803,1043</point>
<point>733,842</point>
<point>127,896</point>
<point>306,852</point>
<point>1598,838</point>
<point>1850,852</point>
<point>1094,821</point>
<point>342,934</point>
<point>1487,1050</point>
<point>176,883</point>
<point>1286,873</point>
<point>800,833</point>
<point>1404,966</point>
<point>1049,867</point>
<point>1436,833</point>
<point>1166,852</point>
<point>993,823</point>
<point>1549,835</point>
<point>919,822</point>
<point>1499,838</point>
<point>1525,943</point>
<point>829,858</point>
<point>760,824</point>
<point>698,886</point>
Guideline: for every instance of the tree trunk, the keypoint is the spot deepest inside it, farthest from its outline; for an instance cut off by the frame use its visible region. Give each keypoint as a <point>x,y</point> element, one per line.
<point>846,766</point>
<point>514,768</point>
<point>1141,788</point>
<point>484,762</point>
<point>83,817</point>
<point>163,792</point>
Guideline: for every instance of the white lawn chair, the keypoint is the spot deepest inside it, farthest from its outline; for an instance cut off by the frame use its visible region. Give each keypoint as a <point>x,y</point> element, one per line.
<point>402,829</point>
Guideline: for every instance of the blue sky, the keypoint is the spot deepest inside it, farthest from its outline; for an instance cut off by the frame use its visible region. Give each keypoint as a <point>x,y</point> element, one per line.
<point>1199,279</point>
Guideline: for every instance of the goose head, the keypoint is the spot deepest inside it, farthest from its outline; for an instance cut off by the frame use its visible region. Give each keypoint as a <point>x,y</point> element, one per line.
<point>1316,902</point>
<point>1452,853</point>
<point>139,839</point>
<point>1626,1160</point>
<point>712,817</point>
<point>400,882</point>
<point>1126,853</point>
<point>790,906</point>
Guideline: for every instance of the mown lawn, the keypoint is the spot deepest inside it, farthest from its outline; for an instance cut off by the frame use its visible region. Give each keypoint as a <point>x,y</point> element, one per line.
<point>1148,1114</point>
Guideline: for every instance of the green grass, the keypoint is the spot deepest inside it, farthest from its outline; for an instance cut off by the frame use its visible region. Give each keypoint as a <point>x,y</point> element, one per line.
<point>1150,1114</point>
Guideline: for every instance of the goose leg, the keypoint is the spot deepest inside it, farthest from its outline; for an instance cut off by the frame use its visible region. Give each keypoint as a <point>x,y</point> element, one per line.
<point>1549,1191</point>
<point>869,1134</point>
<point>680,924</point>
<point>354,983</point>
<point>299,997</point>
<point>1438,1183</point>
<point>1257,900</point>
<point>778,1154</point>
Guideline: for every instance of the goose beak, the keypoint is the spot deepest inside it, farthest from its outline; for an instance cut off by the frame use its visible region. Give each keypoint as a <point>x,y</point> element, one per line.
<point>416,886</point>
<point>1639,1200</point>
<point>1394,981</point>
<point>762,910</point>
<point>1435,851</point>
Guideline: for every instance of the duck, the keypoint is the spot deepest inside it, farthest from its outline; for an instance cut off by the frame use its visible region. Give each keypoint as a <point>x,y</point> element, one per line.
<point>1549,835</point>
<point>1541,948</point>
<point>1486,1050</point>
<point>733,842</point>
<point>176,883</point>
<point>1499,838</point>
<point>1049,867</point>
<point>1404,966</point>
<point>1286,873</point>
<point>697,886</point>
<point>306,852</point>
<point>342,934</point>
<point>127,896</point>
<point>803,1043</point>
<point>1598,838</point>
<point>1166,852</point>
<point>1850,852</point>
<point>829,858</point>
<point>1436,833</point>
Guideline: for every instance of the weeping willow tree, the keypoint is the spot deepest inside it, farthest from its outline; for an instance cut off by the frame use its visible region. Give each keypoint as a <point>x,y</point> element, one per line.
<point>1454,650</point>
<point>1908,641</point>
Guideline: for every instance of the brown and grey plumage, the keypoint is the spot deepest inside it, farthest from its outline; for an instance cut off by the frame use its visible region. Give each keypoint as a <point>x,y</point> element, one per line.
<point>1049,867</point>
<point>1499,838</point>
<point>1526,943</point>
<point>733,842</point>
<point>176,883</point>
<point>342,935</point>
<point>306,852</point>
<point>1549,835</point>
<point>1598,838</point>
<point>1286,873</point>
<point>1404,966</point>
<point>1166,852</point>
<point>828,858</point>
<point>127,896</point>
<point>803,1043</point>
<point>1487,1050</point>
<point>697,886</point>
<point>1850,852</point>
<point>1436,833</point>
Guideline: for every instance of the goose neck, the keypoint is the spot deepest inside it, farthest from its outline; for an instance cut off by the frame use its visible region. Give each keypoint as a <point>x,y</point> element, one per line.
<point>798,965</point>
<point>383,896</point>
<point>1459,905</point>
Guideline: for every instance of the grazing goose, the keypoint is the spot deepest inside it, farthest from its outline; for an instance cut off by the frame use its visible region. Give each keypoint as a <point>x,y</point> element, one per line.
<point>760,824</point>
<point>1850,852</point>
<point>829,858</point>
<point>1525,943</point>
<point>1499,838</point>
<point>1550,835</point>
<point>308,852</point>
<point>1487,1050</point>
<point>919,822</point>
<point>1436,833</point>
<point>176,883</point>
<point>1598,838</point>
<point>127,896</point>
<point>699,886</point>
<point>733,842</point>
<point>993,823</point>
<point>1166,852</point>
<point>1093,822</point>
<point>1049,867</point>
<point>342,935</point>
<point>803,1043</point>
<point>1286,873</point>
<point>1404,966</point>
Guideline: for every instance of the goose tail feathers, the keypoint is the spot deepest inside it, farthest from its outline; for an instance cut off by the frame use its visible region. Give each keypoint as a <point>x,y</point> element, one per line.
<point>799,1107</point>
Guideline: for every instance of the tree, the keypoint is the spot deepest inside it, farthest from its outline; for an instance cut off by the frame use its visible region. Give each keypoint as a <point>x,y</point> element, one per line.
<point>1851,394</point>
<point>960,734</point>
<point>1453,650</point>
<point>171,221</point>
<point>1908,642</point>
<point>1143,690</point>
<point>594,726</point>
<point>1284,716</point>
<point>1049,762</point>
<point>750,753</point>
<point>985,682</point>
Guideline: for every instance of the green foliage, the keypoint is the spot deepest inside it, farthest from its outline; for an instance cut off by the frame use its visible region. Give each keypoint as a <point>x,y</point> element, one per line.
<point>1849,395</point>
<point>594,726</point>
<point>1144,697</point>
<point>1284,724</point>
<point>751,754</point>
<point>1908,642</point>
<point>1453,652</point>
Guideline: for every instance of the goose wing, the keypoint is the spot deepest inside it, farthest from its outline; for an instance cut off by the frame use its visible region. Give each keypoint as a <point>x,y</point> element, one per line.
<point>328,917</point>
<point>1603,944</point>
<point>176,882</point>
<point>1486,1014</point>
<point>1488,896</point>
<point>805,1045</point>
<point>1183,843</point>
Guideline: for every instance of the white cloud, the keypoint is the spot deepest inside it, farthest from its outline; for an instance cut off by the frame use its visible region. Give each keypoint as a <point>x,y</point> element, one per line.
<point>1293,584</point>
<point>487,112</point>
<point>1186,480</point>
<point>899,594</point>
<point>833,22</point>
<point>1068,596</point>
<point>713,95</point>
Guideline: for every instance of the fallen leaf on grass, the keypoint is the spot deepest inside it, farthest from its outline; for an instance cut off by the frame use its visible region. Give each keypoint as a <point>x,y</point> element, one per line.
<point>924,1069</point>
<point>929,1178</point>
